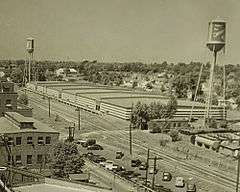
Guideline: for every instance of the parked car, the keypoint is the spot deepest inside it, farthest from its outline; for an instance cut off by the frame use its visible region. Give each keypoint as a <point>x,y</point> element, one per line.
<point>191,187</point>
<point>167,176</point>
<point>179,182</point>
<point>84,144</point>
<point>102,164</point>
<point>119,154</point>
<point>125,173</point>
<point>111,167</point>
<point>95,147</point>
<point>143,166</point>
<point>119,168</point>
<point>135,162</point>
<point>91,142</point>
<point>102,159</point>
<point>136,174</point>
<point>80,141</point>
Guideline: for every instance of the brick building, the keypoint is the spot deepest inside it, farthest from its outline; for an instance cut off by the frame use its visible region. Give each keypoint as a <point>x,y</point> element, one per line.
<point>24,141</point>
<point>28,140</point>
<point>8,100</point>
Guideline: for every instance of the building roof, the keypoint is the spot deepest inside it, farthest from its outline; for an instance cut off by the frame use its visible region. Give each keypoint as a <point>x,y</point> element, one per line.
<point>7,126</point>
<point>54,185</point>
<point>50,187</point>
<point>79,177</point>
<point>231,146</point>
<point>19,118</point>
<point>171,120</point>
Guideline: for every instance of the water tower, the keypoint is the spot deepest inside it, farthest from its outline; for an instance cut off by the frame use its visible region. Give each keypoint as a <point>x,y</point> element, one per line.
<point>30,49</point>
<point>215,43</point>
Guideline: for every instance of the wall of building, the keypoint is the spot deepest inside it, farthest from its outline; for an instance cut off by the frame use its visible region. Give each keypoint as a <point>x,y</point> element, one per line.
<point>3,99</point>
<point>28,149</point>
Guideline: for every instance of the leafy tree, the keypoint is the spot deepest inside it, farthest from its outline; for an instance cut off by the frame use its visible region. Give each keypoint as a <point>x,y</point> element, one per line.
<point>23,99</point>
<point>17,75</point>
<point>65,159</point>
<point>171,107</point>
<point>140,115</point>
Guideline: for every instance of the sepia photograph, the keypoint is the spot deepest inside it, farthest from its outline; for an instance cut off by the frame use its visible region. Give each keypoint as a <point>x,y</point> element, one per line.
<point>119,96</point>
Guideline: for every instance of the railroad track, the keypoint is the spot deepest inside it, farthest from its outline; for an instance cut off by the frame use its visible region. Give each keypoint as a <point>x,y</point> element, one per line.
<point>205,174</point>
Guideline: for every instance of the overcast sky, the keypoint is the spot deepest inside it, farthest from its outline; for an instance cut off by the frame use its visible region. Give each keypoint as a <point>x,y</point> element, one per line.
<point>116,30</point>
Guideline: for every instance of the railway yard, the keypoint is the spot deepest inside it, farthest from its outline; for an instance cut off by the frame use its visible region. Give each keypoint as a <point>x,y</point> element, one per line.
<point>209,174</point>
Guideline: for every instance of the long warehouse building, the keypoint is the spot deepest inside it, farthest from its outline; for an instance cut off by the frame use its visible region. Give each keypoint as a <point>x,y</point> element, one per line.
<point>115,101</point>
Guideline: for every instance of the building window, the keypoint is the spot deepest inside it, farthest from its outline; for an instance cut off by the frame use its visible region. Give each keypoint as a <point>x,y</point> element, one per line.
<point>29,159</point>
<point>40,141</point>
<point>29,140</point>
<point>18,140</point>
<point>8,103</point>
<point>10,159</point>
<point>48,140</point>
<point>18,159</point>
<point>39,158</point>
<point>10,141</point>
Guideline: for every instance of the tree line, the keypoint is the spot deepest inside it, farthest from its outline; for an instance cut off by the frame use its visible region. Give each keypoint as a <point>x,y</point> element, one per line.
<point>184,76</point>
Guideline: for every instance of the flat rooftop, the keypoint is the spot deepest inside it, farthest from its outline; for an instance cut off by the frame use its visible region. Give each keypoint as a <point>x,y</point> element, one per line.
<point>50,187</point>
<point>54,185</point>
<point>123,97</point>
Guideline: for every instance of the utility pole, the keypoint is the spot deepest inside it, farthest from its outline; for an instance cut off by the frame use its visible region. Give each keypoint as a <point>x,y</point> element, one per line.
<point>79,118</point>
<point>49,106</point>
<point>238,170</point>
<point>154,170</point>
<point>148,153</point>
<point>130,138</point>
<point>130,131</point>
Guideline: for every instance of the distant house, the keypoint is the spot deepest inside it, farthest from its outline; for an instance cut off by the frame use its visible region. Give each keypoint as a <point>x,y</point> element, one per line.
<point>227,103</point>
<point>65,72</point>
<point>68,74</point>
<point>229,149</point>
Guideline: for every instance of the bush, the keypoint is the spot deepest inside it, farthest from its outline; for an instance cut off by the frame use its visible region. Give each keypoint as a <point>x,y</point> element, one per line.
<point>174,134</point>
<point>163,142</point>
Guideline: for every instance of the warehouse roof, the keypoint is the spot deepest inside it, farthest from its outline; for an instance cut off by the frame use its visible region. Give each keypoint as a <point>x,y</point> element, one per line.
<point>8,126</point>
